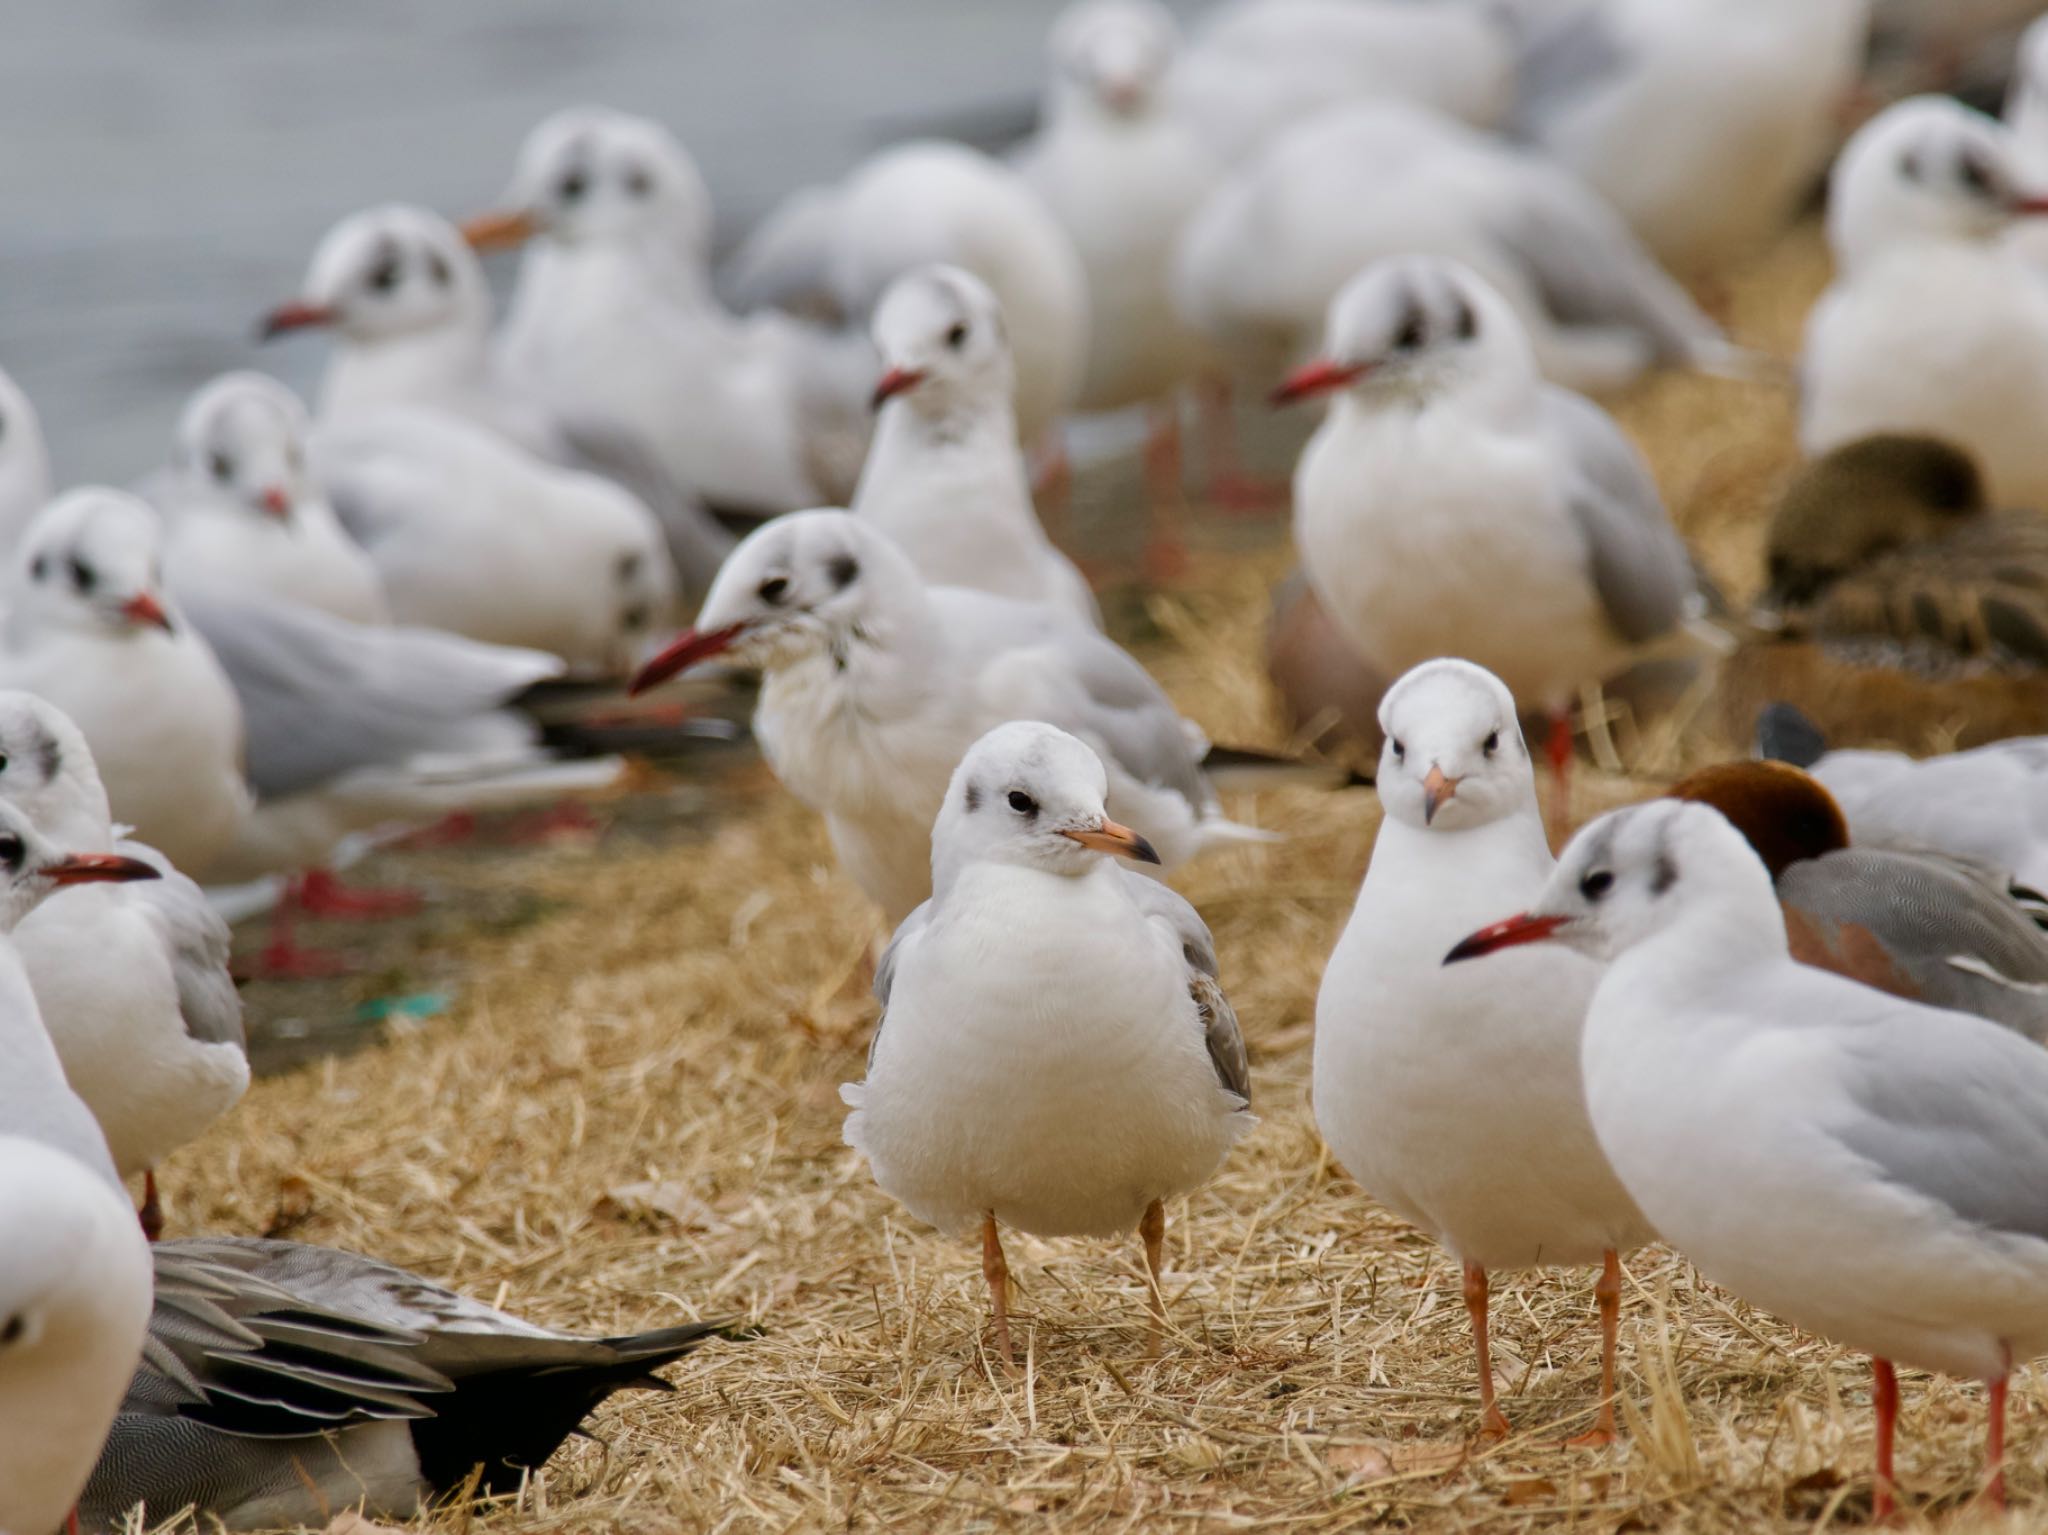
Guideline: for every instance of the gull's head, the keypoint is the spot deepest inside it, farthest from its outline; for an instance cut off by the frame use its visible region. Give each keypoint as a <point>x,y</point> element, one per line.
<point>806,584</point>
<point>243,437</point>
<point>592,174</point>
<point>1028,793</point>
<point>1862,500</point>
<point>48,774</point>
<point>33,867</point>
<point>1113,55</point>
<point>1409,328</point>
<point>24,457</point>
<point>1925,169</point>
<point>93,560</point>
<point>1454,757</point>
<point>1633,873</point>
<point>389,272</point>
<point>940,334</point>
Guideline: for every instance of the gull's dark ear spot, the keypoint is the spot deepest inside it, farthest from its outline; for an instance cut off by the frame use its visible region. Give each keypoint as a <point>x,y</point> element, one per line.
<point>973,799</point>
<point>843,570</point>
<point>1664,875</point>
<point>1466,324</point>
<point>49,755</point>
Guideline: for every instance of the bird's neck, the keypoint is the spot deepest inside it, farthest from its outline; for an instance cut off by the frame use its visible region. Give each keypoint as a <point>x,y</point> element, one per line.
<point>1705,949</point>
<point>1501,863</point>
<point>419,367</point>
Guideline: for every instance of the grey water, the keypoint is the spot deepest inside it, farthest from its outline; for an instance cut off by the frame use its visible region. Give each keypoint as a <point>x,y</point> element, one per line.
<point>166,166</point>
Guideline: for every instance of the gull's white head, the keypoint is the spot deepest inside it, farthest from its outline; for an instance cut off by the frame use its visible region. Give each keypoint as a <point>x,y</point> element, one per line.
<point>1410,328</point>
<point>1112,56</point>
<point>1028,793</point>
<point>243,437</point>
<point>386,273</point>
<point>92,560</point>
<point>804,585</point>
<point>33,867</point>
<point>1926,169</point>
<point>1454,757</point>
<point>47,773</point>
<point>1633,873</point>
<point>24,457</point>
<point>598,175</point>
<point>940,333</point>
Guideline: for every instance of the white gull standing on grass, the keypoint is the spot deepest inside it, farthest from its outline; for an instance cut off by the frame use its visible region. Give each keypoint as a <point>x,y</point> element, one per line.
<point>131,977</point>
<point>1937,322</point>
<point>1454,1097</point>
<point>1260,264</point>
<point>1867,1168</point>
<point>876,684</point>
<point>25,485</point>
<point>1453,503</point>
<point>1055,1053</point>
<point>945,476</point>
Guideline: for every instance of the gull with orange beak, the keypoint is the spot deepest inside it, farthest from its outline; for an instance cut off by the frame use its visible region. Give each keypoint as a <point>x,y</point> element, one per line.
<point>1055,1053</point>
<point>1511,1177</point>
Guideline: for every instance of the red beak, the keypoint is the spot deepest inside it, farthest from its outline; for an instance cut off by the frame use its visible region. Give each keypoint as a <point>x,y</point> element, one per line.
<point>96,868</point>
<point>1525,927</point>
<point>1318,377</point>
<point>143,608</point>
<point>277,503</point>
<point>894,382</point>
<point>686,652</point>
<point>2025,207</point>
<point>294,316</point>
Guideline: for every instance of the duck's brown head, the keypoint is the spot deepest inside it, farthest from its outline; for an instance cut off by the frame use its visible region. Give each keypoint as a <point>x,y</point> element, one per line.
<point>1786,815</point>
<point>1863,499</point>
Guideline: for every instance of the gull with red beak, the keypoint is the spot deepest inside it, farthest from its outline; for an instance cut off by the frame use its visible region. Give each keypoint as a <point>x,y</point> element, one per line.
<point>1937,321</point>
<point>88,627</point>
<point>1453,503</point>
<point>875,684</point>
<point>241,507</point>
<point>1511,1177</point>
<point>945,476</point>
<point>1055,1052</point>
<point>1868,1168</point>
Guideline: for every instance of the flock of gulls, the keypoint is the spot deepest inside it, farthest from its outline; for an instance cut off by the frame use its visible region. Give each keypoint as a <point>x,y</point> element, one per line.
<point>1787,1019</point>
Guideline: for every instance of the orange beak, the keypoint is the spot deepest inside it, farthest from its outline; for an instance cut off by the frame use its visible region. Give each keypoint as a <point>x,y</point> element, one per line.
<point>499,231</point>
<point>99,868</point>
<point>276,503</point>
<point>294,316</point>
<point>1435,790</point>
<point>143,608</point>
<point>1318,377</point>
<point>893,383</point>
<point>1525,927</point>
<point>688,650</point>
<point>1110,837</point>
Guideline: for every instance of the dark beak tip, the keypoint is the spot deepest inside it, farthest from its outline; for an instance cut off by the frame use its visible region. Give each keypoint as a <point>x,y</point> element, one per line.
<point>1143,851</point>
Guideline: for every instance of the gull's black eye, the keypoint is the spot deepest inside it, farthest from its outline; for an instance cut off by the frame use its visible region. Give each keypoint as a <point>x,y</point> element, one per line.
<point>1023,803</point>
<point>1492,743</point>
<point>1596,884</point>
<point>3,762</point>
<point>12,1329</point>
<point>1412,332</point>
<point>221,466</point>
<point>956,337</point>
<point>439,270</point>
<point>1400,751</point>
<point>383,277</point>
<point>638,182</point>
<point>83,576</point>
<point>773,589</point>
<point>572,186</point>
<point>12,852</point>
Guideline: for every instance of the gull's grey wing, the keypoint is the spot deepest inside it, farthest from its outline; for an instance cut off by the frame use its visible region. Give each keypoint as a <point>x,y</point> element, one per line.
<point>1563,59</point>
<point>1220,1029</point>
<point>785,262</point>
<point>885,972</point>
<point>322,697</point>
<point>199,940</point>
<point>1639,563</point>
<point>1951,1108</point>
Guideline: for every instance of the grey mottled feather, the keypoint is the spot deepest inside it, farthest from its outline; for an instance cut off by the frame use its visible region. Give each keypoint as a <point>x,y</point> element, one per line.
<point>1220,1028</point>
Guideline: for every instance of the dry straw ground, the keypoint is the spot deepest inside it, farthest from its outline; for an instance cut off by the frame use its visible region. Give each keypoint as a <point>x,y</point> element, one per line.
<point>631,1117</point>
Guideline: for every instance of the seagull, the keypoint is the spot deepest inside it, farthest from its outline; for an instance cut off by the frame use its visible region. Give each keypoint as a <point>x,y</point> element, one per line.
<point>876,684</point>
<point>280,1382</point>
<point>1261,263</point>
<point>89,627</point>
<point>1870,1169</point>
<point>1988,805</point>
<point>1936,322</point>
<point>240,506</point>
<point>1055,1052</point>
<point>74,1300</point>
<point>1452,502</point>
<point>1454,1098</point>
<point>614,325</point>
<point>25,484</point>
<point>1704,123</point>
<point>945,476</point>
<point>130,976</point>
<point>1927,926</point>
<point>840,247</point>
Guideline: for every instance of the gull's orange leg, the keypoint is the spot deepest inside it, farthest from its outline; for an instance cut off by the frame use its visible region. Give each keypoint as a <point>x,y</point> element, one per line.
<point>997,1273</point>
<point>1607,1294</point>
<point>1559,749</point>
<point>1884,1402</point>
<point>1152,1228</point>
<point>1493,1423</point>
<point>1994,1447</point>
